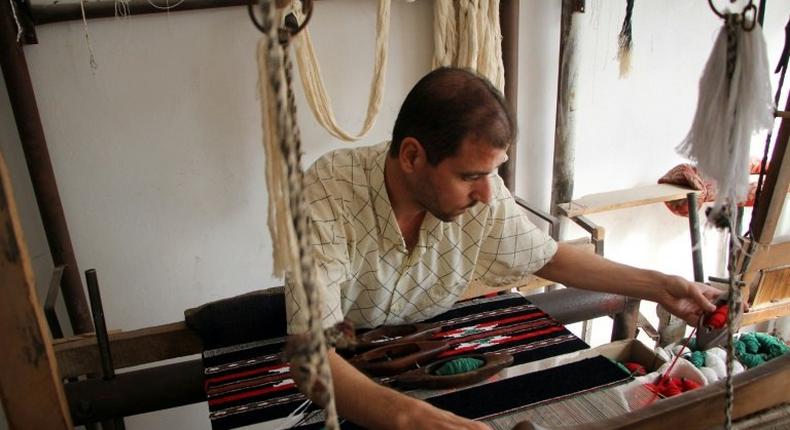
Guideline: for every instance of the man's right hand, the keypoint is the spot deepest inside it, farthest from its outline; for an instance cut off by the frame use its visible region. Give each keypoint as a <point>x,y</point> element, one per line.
<point>376,407</point>
<point>427,417</point>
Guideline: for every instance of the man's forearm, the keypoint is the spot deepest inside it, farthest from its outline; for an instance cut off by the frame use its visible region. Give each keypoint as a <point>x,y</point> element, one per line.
<point>364,402</point>
<point>576,268</point>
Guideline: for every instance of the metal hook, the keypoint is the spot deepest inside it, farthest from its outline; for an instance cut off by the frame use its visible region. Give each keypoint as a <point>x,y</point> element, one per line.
<point>747,17</point>
<point>292,28</point>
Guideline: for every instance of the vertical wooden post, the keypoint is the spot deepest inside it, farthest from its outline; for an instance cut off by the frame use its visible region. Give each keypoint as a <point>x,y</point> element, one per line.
<point>508,19</point>
<point>768,209</point>
<point>30,385</point>
<point>562,176</point>
<point>31,133</point>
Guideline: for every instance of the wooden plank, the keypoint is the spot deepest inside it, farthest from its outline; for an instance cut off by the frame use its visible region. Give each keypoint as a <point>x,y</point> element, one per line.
<point>620,199</point>
<point>79,355</point>
<point>774,285</point>
<point>766,312</point>
<point>766,257</point>
<point>769,206</point>
<point>30,385</point>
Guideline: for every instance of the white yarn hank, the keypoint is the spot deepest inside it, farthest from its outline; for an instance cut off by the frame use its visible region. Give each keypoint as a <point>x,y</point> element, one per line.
<point>313,83</point>
<point>729,112</point>
<point>467,34</point>
<point>285,254</point>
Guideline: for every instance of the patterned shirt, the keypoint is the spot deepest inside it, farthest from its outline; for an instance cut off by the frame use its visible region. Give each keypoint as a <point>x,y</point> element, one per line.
<point>364,271</point>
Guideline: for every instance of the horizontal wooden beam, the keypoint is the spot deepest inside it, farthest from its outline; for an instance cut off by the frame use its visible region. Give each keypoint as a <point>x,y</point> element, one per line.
<point>79,355</point>
<point>766,312</point>
<point>59,12</point>
<point>621,199</point>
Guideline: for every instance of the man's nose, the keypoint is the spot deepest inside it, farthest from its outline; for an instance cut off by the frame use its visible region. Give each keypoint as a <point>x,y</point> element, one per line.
<point>482,190</point>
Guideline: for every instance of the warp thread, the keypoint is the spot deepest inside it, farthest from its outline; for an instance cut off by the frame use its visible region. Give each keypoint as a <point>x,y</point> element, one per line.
<point>93,64</point>
<point>19,31</point>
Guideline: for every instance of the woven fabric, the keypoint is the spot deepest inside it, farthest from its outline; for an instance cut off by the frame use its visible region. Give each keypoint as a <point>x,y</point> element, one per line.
<point>248,383</point>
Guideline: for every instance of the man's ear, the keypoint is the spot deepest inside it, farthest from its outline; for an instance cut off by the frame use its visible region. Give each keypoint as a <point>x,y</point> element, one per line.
<point>412,155</point>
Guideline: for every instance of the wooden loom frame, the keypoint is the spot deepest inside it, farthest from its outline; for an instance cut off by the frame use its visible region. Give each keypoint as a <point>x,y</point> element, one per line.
<point>35,372</point>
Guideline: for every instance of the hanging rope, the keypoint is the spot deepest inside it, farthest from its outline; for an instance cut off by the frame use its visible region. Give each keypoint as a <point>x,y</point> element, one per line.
<point>313,83</point>
<point>467,34</point>
<point>288,224</point>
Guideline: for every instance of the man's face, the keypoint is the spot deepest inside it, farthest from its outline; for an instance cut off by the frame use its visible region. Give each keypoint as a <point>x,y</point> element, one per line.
<point>457,183</point>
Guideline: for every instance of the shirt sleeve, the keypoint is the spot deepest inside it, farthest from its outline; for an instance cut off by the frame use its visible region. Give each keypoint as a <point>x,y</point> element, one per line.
<point>330,257</point>
<point>513,247</point>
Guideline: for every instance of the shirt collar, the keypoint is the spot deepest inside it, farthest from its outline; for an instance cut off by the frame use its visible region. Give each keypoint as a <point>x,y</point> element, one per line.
<point>431,230</point>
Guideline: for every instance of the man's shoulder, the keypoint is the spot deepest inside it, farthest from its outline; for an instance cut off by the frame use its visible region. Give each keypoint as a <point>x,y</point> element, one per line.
<point>345,162</point>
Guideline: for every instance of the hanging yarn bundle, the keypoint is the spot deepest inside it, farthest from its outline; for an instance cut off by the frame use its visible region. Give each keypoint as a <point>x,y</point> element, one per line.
<point>313,83</point>
<point>467,34</point>
<point>288,222</point>
<point>734,103</point>
<point>625,41</point>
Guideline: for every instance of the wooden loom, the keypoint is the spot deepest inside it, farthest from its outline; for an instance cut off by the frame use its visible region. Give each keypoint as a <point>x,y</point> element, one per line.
<point>37,370</point>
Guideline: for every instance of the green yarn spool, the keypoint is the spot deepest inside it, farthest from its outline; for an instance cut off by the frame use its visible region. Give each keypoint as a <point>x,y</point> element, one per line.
<point>459,365</point>
<point>697,358</point>
<point>754,349</point>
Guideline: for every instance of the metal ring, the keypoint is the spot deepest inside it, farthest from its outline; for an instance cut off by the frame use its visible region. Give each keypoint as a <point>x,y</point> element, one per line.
<point>744,17</point>
<point>288,32</point>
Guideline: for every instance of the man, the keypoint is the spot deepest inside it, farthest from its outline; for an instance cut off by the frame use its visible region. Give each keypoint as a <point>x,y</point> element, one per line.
<point>401,228</point>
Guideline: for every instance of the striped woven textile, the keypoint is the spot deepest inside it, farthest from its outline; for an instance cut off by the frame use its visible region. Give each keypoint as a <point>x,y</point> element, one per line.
<point>248,383</point>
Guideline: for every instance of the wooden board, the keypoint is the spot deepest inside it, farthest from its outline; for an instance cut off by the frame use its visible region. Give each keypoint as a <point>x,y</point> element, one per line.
<point>30,385</point>
<point>774,285</point>
<point>766,312</point>
<point>766,257</point>
<point>79,355</point>
<point>620,199</point>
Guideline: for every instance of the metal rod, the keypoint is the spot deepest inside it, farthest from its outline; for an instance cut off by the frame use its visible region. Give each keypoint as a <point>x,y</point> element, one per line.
<point>696,247</point>
<point>508,13</point>
<point>102,339</point>
<point>34,145</point>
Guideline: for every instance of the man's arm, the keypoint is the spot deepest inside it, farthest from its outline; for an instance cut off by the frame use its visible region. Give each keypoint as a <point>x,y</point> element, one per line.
<point>373,406</point>
<point>573,267</point>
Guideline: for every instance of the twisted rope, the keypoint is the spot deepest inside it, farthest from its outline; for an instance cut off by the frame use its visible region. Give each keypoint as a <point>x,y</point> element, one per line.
<point>307,353</point>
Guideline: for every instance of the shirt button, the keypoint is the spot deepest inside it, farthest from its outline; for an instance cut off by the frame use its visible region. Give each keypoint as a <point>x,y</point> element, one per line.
<point>397,307</point>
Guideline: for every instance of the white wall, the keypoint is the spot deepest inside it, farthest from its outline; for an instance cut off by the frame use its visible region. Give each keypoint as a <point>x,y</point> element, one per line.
<point>158,158</point>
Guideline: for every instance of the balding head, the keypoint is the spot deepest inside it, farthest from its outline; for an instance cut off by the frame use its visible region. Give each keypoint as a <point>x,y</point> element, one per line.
<point>449,105</point>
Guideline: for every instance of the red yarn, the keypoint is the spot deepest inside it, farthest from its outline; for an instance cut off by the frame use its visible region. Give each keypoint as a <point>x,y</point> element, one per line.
<point>635,368</point>
<point>717,318</point>
<point>669,387</point>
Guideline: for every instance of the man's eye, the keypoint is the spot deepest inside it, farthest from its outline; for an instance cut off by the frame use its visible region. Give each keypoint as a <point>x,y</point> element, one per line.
<point>471,178</point>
